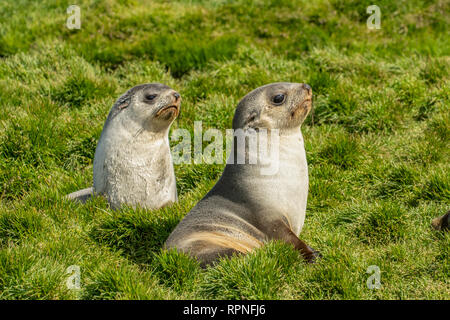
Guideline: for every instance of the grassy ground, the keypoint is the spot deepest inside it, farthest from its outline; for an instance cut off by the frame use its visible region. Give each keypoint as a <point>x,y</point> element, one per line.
<point>377,146</point>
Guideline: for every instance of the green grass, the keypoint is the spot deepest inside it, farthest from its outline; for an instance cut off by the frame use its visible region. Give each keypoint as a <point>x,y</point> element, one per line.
<point>377,144</point>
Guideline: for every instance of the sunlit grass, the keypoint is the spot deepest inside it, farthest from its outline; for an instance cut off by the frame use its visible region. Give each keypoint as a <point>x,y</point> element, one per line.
<point>377,144</point>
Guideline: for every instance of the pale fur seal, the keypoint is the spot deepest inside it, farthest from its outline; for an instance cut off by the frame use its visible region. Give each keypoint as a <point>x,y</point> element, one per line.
<point>132,162</point>
<point>245,208</point>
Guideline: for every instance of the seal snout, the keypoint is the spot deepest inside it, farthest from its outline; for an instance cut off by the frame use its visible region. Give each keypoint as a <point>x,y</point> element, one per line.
<point>176,104</point>
<point>307,88</point>
<point>303,104</point>
<point>172,109</point>
<point>307,94</point>
<point>176,99</point>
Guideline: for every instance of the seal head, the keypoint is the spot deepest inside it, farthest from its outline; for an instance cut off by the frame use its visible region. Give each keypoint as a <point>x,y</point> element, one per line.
<point>151,107</point>
<point>132,162</point>
<point>280,105</point>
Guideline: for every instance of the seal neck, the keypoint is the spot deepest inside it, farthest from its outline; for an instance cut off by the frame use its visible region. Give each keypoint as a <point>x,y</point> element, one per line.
<point>266,153</point>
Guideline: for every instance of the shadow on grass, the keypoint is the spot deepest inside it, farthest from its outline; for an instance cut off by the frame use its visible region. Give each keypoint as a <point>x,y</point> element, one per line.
<point>137,234</point>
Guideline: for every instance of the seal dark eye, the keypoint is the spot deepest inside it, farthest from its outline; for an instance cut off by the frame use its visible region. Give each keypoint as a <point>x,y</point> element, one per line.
<point>150,97</point>
<point>278,99</point>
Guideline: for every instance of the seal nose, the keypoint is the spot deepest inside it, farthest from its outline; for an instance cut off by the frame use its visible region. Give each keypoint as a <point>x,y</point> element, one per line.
<point>177,96</point>
<point>307,88</point>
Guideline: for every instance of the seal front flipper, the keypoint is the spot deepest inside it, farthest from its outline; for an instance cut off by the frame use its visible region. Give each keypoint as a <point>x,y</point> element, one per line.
<point>81,195</point>
<point>280,231</point>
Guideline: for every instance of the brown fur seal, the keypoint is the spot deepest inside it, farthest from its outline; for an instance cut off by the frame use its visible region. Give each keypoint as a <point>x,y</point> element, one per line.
<point>246,208</point>
<point>442,222</point>
<point>132,162</point>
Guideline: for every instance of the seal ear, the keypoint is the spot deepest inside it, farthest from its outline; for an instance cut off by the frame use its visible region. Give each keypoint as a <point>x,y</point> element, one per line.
<point>123,105</point>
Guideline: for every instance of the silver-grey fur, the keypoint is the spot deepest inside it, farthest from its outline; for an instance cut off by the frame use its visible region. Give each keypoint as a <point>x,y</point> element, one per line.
<point>132,162</point>
<point>246,208</point>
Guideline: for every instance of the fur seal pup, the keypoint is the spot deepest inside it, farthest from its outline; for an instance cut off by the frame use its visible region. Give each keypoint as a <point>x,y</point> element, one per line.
<point>246,208</point>
<point>442,222</point>
<point>132,162</point>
